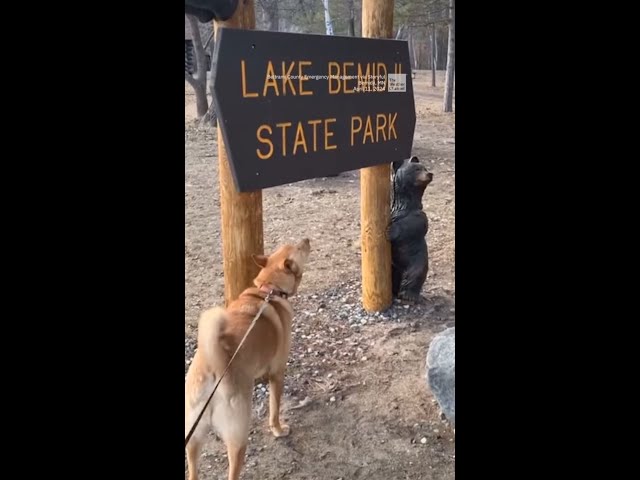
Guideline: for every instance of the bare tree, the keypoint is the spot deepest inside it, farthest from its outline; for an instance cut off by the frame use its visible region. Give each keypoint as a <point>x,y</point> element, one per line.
<point>198,80</point>
<point>352,18</point>
<point>413,49</point>
<point>433,55</point>
<point>327,18</point>
<point>210,117</point>
<point>451,61</point>
<point>272,12</point>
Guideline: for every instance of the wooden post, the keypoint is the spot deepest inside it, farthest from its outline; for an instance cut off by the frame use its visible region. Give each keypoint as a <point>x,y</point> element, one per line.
<point>241,213</point>
<point>375,188</point>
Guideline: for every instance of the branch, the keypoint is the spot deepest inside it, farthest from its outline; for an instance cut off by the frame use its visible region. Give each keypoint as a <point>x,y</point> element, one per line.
<point>208,40</point>
<point>201,59</point>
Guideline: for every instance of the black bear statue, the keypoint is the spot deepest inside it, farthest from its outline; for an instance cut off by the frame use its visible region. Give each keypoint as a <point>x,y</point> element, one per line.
<point>408,229</point>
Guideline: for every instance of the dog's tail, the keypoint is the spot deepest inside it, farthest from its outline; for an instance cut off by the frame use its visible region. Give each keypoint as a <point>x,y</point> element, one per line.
<point>210,329</point>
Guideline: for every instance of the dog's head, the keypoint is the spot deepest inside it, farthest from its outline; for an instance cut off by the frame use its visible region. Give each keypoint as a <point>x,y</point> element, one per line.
<point>283,269</point>
<point>412,172</point>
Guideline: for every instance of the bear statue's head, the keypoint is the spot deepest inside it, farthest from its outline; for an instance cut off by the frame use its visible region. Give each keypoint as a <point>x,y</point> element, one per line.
<point>409,181</point>
<point>411,174</point>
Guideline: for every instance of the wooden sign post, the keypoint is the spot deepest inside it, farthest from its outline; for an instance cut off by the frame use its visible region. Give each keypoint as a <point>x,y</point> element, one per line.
<point>375,188</point>
<point>293,107</point>
<point>240,213</point>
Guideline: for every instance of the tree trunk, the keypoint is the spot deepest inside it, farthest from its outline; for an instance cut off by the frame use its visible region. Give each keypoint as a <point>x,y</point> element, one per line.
<point>433,55</point>
<point>437,57</point>
<point>327,18</point>
<point>202,102</point>
<point>210,118</point>
<point>451,60</point>
<point>273,17</point>
<point>414,49</point>
<point>412,57</point>
<point>441,50</point>
<point>352,19</point>
<point>199,78</point>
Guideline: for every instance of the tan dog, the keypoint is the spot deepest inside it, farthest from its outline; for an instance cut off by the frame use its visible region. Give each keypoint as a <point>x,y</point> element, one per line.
<point>264,353</point>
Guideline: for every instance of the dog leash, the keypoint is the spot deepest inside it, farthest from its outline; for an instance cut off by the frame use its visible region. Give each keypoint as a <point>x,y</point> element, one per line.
<point>267,299</point>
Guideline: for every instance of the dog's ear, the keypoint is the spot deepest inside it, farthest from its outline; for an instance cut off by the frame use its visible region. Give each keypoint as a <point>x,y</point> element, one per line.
<point>260,260</point>
<point>414,159</point>
<point>291,266</point>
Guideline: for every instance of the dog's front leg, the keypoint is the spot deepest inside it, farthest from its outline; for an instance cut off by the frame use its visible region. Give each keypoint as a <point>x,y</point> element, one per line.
<point>276,385</point>
<point>193,455</point>
<point>236,460</point>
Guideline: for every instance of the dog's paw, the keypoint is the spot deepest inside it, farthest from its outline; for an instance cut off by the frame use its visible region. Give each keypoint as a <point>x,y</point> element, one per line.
<point>282,431</point>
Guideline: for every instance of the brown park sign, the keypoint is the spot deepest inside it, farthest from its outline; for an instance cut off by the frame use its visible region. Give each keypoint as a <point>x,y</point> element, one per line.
<point>293,107</point>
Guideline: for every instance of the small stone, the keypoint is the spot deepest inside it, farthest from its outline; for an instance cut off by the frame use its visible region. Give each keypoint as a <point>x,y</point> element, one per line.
<point>435,430</point>
<point>330,375</point>
<point>364,359</point>
<point>423,440</point>
<point>332,399</point>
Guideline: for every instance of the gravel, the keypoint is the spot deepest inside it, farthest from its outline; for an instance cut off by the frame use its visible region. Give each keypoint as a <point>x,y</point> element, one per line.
<point>331,330</point>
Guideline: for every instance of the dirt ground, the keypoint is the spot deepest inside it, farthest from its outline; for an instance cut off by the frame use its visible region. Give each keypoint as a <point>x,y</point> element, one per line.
<point>355,395</point>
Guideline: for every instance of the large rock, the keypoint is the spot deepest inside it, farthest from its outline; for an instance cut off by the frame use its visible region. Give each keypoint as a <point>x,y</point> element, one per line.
<point>441,372</point>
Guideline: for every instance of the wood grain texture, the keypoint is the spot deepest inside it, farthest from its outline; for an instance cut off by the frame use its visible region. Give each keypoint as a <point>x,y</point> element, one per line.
<point>375,189</point>
<point>377,18</point>
<point>240,213</point>
<point>376,249</point>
